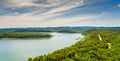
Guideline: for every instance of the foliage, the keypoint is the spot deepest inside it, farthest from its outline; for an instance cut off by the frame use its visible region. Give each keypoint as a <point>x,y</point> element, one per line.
<point>83,29</point>
<point>91,48</point>
<point>10,34</point>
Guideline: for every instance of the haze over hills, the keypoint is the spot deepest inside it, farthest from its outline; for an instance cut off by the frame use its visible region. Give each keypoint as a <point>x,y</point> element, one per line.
<point>56,29</point>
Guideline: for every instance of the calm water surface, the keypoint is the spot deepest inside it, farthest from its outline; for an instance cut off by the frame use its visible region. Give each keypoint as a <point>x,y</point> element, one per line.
<point>21,50</point>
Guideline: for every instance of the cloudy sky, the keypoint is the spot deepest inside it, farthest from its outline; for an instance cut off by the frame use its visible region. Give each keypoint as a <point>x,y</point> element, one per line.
<point>35,13</point>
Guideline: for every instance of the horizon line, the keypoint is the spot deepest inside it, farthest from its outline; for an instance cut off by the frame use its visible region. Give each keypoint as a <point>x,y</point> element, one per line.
<point>56,26</point>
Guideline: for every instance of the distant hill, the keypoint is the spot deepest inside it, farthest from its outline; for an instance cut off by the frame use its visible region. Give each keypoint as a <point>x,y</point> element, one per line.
<point>57,29</point>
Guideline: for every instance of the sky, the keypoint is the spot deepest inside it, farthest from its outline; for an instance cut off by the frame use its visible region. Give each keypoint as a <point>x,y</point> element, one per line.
<point>46,13</point>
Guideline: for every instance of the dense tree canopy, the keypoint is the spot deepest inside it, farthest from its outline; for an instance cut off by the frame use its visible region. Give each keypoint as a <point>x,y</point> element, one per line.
<point>10,34</point>
<point>57,29</point>
<point>99,45</point>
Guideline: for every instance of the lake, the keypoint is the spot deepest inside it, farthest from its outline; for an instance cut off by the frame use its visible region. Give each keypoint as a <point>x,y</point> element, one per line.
<point>21,50</point>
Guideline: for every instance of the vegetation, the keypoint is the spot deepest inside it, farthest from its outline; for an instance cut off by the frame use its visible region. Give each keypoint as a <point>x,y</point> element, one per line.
<point>58,29</point>
<point>10,34</point>
<point>98,45</point>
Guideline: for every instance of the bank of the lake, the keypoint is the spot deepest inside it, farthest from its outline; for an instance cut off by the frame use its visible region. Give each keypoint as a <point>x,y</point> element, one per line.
<point>98,45</point>
<point>21,50</point>
<point>23,35</point>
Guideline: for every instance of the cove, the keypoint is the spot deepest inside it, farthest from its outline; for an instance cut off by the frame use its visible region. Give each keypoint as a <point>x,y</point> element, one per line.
<point>21,50</point>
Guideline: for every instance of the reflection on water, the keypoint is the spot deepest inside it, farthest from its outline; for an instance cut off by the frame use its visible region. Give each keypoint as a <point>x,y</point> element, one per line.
<point>21,50</point>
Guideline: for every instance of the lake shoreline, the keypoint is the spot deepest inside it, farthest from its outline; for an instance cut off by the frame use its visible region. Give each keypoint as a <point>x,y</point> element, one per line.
<point>22,49</point>
<point>23,35</point>
<point>25,38</point>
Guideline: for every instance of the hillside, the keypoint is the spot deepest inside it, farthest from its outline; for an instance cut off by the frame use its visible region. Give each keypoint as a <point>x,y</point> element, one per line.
<point>21,35</point>
<point>81,29</point>
<point>99,45</point>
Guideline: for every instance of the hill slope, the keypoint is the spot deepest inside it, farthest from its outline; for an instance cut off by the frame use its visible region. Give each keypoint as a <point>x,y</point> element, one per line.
<point>103,45</point>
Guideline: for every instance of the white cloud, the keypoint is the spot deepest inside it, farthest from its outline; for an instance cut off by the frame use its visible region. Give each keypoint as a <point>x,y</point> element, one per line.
<point>26,3</point>
<point>59,9</point>
<point>18,3</point>
<point>67,6</point>
<point>104,12</point>
<point>28,20</point>
<point>119,5</point>
<point>52,6</point>
<point>70,20</point>
<point>43,19</point>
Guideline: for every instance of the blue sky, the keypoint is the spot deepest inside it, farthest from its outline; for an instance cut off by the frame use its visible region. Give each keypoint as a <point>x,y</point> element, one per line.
<point>35,13</point>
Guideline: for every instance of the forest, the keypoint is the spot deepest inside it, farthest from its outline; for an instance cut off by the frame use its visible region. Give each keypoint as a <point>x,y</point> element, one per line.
<point>81,29</point>
<point>21,35</point>
<point>97,45</point>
